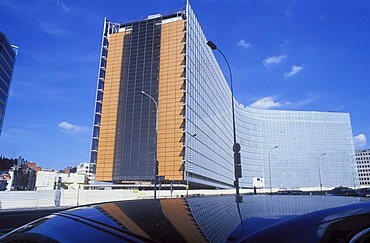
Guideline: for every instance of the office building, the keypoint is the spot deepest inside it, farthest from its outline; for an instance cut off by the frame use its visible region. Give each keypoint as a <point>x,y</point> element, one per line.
<point>363,166</point>
<point>7,60</point>
<point>313,148</point>
<point>186,107</point>
<point>88,170</point>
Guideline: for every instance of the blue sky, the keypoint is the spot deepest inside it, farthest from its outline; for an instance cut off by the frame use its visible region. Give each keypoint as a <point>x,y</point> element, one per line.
<point>293,55</point>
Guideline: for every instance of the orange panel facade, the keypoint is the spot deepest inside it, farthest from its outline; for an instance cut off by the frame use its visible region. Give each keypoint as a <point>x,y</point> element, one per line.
<point>170,101</point>
<point>118,155</point>
<point>107,137</point>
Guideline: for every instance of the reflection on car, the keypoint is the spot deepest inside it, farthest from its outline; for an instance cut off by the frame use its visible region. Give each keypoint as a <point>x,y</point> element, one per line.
<point>364,192</point>
<point>339,224</point>
<point>342,191</point>
<point>262,218</point>
<point>290,192</point>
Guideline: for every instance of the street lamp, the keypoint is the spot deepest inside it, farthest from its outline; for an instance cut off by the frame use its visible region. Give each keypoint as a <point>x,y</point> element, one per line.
<point>156,143</point>
<point>270,167</point>
<point>187,164</point>
<point>236,146</point>
<point>318,164</point>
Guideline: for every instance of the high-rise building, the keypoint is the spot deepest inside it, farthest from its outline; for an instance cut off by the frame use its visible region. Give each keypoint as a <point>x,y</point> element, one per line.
<point>7,60</point>
<point>363,166</point>
<point>184,118</point>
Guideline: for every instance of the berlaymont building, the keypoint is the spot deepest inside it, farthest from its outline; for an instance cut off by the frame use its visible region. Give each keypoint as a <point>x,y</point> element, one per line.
<point>162,96</point>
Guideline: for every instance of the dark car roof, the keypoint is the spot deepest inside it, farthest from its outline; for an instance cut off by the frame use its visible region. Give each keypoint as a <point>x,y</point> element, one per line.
<point>337,224</point>
<point>195,219</point>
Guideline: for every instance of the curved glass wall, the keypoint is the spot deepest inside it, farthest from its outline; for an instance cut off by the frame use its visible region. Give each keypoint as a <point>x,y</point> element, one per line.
<point>312,147</point>
<point>302,137</point>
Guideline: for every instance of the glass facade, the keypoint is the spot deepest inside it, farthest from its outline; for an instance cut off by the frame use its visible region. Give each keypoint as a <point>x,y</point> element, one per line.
<point>168,58</point>
<point>313,147</point>
<point>136,113</point>
<point>7,60</point>
<point>302,137</point>
<point>208,112</point>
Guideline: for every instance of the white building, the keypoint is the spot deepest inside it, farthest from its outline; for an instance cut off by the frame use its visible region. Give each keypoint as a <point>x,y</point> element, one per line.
<point>88,170</point>
<point>47,180</point>
<point>363,166</point>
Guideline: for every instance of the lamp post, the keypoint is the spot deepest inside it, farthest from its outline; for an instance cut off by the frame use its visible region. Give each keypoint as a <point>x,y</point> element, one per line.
<point>318,164</point>
<point>236,146</point>
<point>270,167</point>
<point>156,145</point>
<point>187,164</point>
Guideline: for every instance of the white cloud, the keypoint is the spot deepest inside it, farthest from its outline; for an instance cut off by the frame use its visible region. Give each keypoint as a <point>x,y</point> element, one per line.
<point>274,60</point>
<point>359,141</point>
<point>271,102</point>
<point>52,28</point>
<point>284,44</point>
<point>303,102</point>
<point>265,103</point>
<point>244,44</point>
<point>295,69</point>
<point>66,126</point>
<point>62,5</point>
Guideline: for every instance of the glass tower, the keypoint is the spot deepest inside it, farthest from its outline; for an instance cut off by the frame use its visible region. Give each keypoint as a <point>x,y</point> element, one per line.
<point>186,124</point>
<point>7,60</point>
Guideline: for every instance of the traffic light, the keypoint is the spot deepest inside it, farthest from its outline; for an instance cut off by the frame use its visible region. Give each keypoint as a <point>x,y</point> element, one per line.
<point>156,168</point>
<point>238,165</point>
<point>237,161</point>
